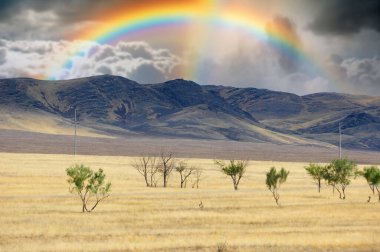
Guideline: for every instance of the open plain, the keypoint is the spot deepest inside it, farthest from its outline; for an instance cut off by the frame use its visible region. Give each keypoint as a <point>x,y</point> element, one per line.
<point>216,91</point>
<point>39,214</point>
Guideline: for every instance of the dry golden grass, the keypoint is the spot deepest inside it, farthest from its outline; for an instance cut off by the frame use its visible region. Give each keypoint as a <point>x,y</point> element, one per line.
<point>39,214</point>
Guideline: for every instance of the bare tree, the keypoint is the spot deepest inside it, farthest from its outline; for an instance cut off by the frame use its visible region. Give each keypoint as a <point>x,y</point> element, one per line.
<point>184,171</point>
<point>147,167</point>
<point>166,165</point>
<point>197,175</point>
<point>153,178</point>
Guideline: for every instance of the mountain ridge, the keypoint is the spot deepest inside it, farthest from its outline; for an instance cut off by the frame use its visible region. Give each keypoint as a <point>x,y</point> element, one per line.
<point>179,108</point>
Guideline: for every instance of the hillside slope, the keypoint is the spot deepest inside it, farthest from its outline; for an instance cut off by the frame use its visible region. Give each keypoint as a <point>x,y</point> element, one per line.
<point>315,116</point>
<point>115,106</point>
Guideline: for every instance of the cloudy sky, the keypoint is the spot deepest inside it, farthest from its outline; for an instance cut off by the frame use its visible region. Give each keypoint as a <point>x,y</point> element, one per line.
<point>336,44</point>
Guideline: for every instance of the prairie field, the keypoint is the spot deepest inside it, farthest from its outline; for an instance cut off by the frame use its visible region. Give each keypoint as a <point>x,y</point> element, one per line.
<point>38,213</point>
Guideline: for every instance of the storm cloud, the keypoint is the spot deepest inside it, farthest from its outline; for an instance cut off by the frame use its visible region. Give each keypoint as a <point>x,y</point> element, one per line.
<point>68,11</point>
<point>362,74</point>
<point>358,75</point>
<point>342,17</point>
<point>37,39</point>
<point>39,19</point>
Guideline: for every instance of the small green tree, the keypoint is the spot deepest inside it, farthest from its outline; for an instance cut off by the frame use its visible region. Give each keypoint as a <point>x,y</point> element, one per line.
<point>88,184</point>
<point>274,181</point>
<point>316,172</point>
<point>235,169</point>
<point>339,173</point>
<point>372,175</point>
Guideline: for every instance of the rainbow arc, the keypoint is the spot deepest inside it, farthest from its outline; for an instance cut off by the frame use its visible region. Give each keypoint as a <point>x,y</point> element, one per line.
<point>201,15</point>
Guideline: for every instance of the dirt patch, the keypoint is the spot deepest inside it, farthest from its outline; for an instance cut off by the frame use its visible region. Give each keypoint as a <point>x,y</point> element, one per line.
<point>26,142</point>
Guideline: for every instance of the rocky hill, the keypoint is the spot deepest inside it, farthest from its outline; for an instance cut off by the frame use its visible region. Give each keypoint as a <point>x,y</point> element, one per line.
<point>114,106</point>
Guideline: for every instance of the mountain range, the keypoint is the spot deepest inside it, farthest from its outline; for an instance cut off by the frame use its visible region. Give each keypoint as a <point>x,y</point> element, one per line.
<point>112,106</point>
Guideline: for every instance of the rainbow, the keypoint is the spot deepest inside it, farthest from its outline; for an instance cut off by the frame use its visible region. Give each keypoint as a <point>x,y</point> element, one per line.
<point>152,14</point>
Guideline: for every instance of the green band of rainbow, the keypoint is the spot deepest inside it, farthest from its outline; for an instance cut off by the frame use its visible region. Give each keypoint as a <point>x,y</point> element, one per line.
<point>185,17</point>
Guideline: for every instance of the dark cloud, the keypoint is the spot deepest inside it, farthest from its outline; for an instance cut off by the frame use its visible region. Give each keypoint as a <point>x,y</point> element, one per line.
<point>104,70</point>
<point>342,17</point>
<point>39,19</point>
<point>7,7</point>
<point>105,53</point>
<point>31,25</point>
<point>147,73</point>
<point>359,75</point>
<point>70,10</point>
<point>336,59</point>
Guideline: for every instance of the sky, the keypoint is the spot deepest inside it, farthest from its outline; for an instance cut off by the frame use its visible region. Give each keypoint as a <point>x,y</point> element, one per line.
<point>298,46</point>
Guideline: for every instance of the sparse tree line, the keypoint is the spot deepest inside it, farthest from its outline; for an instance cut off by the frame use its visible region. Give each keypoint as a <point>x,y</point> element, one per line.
<point>154,168</point>
<point>339,173</point>
<point>92,188</point>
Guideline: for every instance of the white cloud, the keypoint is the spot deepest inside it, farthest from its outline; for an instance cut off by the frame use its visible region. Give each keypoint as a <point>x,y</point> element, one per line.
<point>250,64</point>
<point>135,60</point>
<point>316,85</point>
<point>257,64</point>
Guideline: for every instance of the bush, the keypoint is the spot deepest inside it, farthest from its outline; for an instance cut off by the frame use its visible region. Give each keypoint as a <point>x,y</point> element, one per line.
<point>235,169</point>
<point>274,181</point>
<point>339,173</point>
<point>372,176</point>
<point>88,184</point>
<point>184,171</point>
<point>316,172</point>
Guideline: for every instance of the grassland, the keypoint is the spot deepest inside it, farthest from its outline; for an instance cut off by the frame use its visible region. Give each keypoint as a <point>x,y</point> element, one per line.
<point>38,213</point>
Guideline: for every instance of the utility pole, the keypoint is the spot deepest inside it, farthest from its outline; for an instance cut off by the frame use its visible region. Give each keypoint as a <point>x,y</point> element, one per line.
<point>75,132</point>
<point>340,141</point>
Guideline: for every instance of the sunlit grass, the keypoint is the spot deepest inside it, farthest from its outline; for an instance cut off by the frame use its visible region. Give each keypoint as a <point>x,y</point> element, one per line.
<point>39,214</point>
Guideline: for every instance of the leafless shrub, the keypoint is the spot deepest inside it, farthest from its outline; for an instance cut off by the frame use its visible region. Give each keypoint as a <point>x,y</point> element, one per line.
<point>197,176</point>
<point>184,171</point>
<point>148,168</point>
<point>166,165</point>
